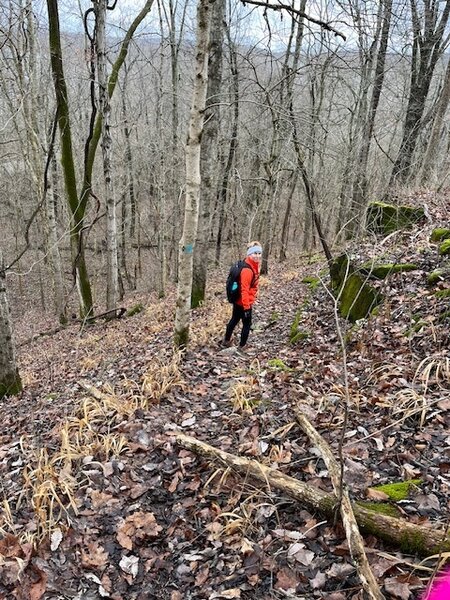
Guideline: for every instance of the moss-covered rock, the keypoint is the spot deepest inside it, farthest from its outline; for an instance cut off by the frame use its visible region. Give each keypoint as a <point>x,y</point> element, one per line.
<point>134,310</point>
<point>385,218</point>
<point>357,299</point>
<point>444,248</point>
<point>278,365</point>
<point>381,271</point>
<point>439,234</point>
<point>10,384</point>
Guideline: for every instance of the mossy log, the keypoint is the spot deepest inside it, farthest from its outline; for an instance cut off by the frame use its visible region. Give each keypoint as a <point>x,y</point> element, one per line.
<point>385,218</point>
<point>410,537</point>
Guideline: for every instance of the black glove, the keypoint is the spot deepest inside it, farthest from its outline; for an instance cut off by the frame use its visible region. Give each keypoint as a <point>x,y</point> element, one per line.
<point>248,314</point>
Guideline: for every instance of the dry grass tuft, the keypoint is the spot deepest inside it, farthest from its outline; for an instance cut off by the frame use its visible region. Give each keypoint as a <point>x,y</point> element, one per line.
<point>209,326</point>
<point>245,394</point>
<point>434,370</point>
<point>160,378</point>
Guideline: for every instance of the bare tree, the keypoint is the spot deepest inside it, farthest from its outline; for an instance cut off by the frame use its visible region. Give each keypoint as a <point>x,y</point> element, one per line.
<point>429,23</point>
<point>209,154</point>
<point>193,178</point>
<point>112,279</point>
<point>10,382</point>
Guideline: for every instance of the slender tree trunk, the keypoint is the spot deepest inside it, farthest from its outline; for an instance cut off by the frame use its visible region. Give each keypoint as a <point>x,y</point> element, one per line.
<point>360,185</point>
<point>10,382</point>
<point>222,193</point>
<point>129,160</point>
<point>193,179</point>
<point>112,279</point>
<point>432,151</point>
<point>428,45</point>
<point>67,161</point>
<point>51,201</point>
<point>208,155</point>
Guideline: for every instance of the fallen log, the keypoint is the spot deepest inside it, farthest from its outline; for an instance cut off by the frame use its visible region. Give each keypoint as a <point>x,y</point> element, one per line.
<point>354,539</point>
<point>409,537</point>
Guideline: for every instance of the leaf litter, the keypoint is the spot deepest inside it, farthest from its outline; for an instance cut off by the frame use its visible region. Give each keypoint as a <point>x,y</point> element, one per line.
<point>139,517</point>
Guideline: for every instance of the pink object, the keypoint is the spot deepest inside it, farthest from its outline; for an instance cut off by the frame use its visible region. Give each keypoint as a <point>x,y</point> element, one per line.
<point>440,590</point>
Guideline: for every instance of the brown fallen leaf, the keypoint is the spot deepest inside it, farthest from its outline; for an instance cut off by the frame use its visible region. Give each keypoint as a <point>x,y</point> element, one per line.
<point>10,547</point>
<point>94,556</point>
<point>286,580</point>
<point>139,525</point>
<point>202,576</point>
<point>397,588</point>
<point>374,494</point>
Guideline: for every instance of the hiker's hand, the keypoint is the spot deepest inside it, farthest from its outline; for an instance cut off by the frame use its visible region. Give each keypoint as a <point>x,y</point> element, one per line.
<point>248,313</point>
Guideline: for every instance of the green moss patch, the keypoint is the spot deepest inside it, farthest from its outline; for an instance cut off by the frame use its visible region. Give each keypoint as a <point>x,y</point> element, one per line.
<point>381,271</point>
<point>436,276</point>
<point>400,490</point>
<point>296,334</point>
<point>386,218</point>
<point>382,508</point>
<point>439,234</point>
<point>444,248</point>
<point>134,310</point>
<point>443,294</point>
<point>312,281</point>
<point>278,365</point>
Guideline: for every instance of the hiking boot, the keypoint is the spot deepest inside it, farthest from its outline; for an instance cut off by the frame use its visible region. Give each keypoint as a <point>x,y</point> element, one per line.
<point>225,343</point>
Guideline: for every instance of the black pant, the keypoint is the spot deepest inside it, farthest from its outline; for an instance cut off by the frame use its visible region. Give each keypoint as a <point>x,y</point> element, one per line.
<point>238,314</point>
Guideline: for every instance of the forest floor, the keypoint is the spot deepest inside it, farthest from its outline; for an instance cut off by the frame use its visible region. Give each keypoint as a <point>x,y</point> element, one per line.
<point>99,500</point>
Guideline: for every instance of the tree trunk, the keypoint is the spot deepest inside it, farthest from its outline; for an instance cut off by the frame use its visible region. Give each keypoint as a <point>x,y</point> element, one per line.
<point>193,179</point>
<point>208,155</point>
<point>51,201</point>
<point>10,382</point>
<point>432,151</point>
<point>67,161</point>
<point>222,193</point>
<point>360,185</point>
<point>410,537</point>
<point>112,278</point>
<point>428,46</point>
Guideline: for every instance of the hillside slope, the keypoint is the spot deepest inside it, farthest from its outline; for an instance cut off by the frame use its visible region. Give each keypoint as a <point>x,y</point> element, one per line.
<point>92,475</point>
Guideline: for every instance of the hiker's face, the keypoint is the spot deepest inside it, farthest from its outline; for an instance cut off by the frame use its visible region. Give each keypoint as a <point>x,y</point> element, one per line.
<point>256,256</point>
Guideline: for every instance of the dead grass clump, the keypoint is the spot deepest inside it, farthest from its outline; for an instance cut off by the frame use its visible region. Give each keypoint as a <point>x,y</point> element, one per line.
<point>245,394</point>
<point>434,370</point>
<point>160,378</point>
<point>209,326</point>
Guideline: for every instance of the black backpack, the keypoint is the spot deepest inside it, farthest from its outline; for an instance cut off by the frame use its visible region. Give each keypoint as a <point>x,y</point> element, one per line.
<point>233,287</point>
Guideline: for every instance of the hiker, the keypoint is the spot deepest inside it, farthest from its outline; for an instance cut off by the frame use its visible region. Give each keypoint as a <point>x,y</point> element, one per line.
<point>248,282</point>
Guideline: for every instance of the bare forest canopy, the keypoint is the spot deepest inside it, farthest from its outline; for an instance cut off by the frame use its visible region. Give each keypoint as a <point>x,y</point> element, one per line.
<point>369,115</point>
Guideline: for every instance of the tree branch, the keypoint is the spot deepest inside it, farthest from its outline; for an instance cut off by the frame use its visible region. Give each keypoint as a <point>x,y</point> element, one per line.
<point>296,12</point>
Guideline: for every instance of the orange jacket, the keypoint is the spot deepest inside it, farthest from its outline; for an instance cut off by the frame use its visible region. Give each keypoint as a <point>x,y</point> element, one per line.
<point>249,283</point>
